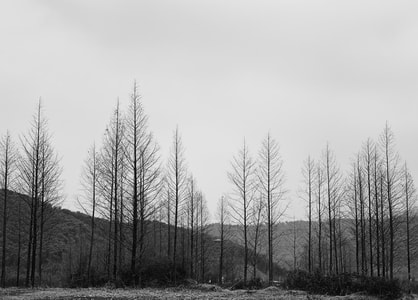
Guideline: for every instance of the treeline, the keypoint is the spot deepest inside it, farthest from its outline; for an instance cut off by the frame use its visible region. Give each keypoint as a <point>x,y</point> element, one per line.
<point>124,181</point>
<point>361,220</point>
<point>147,214</point>
<point>127,183</point>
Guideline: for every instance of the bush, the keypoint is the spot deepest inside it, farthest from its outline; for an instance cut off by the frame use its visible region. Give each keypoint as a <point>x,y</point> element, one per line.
<point>342,284</point>
<point>252,284</point>
<point>155,272</point>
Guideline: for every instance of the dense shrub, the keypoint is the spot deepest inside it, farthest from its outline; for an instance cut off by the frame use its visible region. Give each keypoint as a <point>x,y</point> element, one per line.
<point>252,284</point>
<point>159,271</point>
<point>342,284</point>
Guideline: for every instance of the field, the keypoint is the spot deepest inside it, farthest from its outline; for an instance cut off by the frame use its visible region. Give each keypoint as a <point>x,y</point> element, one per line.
<point>200,292</point>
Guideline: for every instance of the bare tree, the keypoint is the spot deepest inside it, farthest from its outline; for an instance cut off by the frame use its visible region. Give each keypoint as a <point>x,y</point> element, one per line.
<point>40,178</point>
<point>89,183</point>
<point>368,159</point>
<point>51,186</point>
<point>177,184</point>
<point>319,186</point>
<point>112,159</point>
<point>8,157</point>
<point>333,179</point>
<point>356,213</point>
<point>203,218</point>
<point>294,237</point>
<point>271,179</point>
<point>376,198</point>
<point>223,217</point>
<point>144,174</point>
<point>410,198</point>
<point>30,176</point>
<point>136,130</point>
<point>360,181</point>
<point>191,210</point>
<point>382,223</point>
<point>391,167</point>
<point>168,205</point>
<point>308,175</point>
<point>242,178</point>
<point>256,230</point>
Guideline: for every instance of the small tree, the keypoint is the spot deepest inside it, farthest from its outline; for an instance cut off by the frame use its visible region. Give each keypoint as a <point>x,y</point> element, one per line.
<point>223,216</point>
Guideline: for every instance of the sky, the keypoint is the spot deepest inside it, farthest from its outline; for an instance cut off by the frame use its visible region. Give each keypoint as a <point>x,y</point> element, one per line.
<point>308,72</point>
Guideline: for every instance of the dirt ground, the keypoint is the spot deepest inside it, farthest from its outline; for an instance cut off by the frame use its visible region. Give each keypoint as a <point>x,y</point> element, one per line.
<point>201,292</point>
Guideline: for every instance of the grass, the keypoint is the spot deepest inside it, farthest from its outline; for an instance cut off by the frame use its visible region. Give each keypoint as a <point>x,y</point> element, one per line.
<point>204,292</point>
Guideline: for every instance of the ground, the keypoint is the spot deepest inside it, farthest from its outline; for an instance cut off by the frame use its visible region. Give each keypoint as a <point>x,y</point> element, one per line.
<point>201,292</point>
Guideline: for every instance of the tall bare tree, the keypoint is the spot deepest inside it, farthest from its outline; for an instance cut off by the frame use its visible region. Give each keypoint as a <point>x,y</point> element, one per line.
<point>319,187</point>
<point>308,173</point>
<point>410,198</point>
<point>8,157</point>
<point>392,176</point>
<point>112,159</point>
<point>376,166</point>
<point>40,178</point>
<point>144,170</point>
<point>368,160</point>
<point>242,179</point>
<point>333,180</point>
<point>177,176</point>
<point>90,184</point>
<point>356,213</point>
<point>362,208</point>
<point>50,194</point>
<point>271,180</point>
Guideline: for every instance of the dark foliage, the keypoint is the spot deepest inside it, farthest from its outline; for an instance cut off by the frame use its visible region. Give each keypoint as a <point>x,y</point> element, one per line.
<point>343,284</point>
<point>156,272</point>
<point>252,284</point>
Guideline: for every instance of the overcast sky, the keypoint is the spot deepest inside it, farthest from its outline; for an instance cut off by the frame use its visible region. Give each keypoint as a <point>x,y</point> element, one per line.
<point>307,71</point>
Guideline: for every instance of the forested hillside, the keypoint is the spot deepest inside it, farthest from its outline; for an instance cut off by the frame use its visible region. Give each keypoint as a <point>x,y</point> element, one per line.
<point>65,251</point>
<point>291,245</point>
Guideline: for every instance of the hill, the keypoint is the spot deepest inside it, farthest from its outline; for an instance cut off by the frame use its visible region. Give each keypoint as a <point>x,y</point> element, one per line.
<point>66,242</point>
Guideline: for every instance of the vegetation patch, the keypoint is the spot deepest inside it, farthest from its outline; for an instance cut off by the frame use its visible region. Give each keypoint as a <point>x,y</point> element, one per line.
<point>343,284</point>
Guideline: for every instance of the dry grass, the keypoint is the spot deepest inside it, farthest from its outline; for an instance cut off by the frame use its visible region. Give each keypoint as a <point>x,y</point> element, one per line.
<point>198,292</point>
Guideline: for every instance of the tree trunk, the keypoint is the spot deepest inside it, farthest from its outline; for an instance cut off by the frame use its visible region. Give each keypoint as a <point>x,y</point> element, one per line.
<point>407,224</point>
<point>356,220</point>
<point>319,221</point>
<point>376,215</point>
<point>390,206</point>
<point>329,212</point>
<point>382,227</point>
<point>221,250</point>
<point>19,244</point>
<point>370,208</point>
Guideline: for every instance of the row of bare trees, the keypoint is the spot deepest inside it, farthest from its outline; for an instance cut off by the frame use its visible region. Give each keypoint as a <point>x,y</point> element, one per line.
<point>147,206</point>
<point>33,169</point>
<point>361,221</point>
<point>126,183</point>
